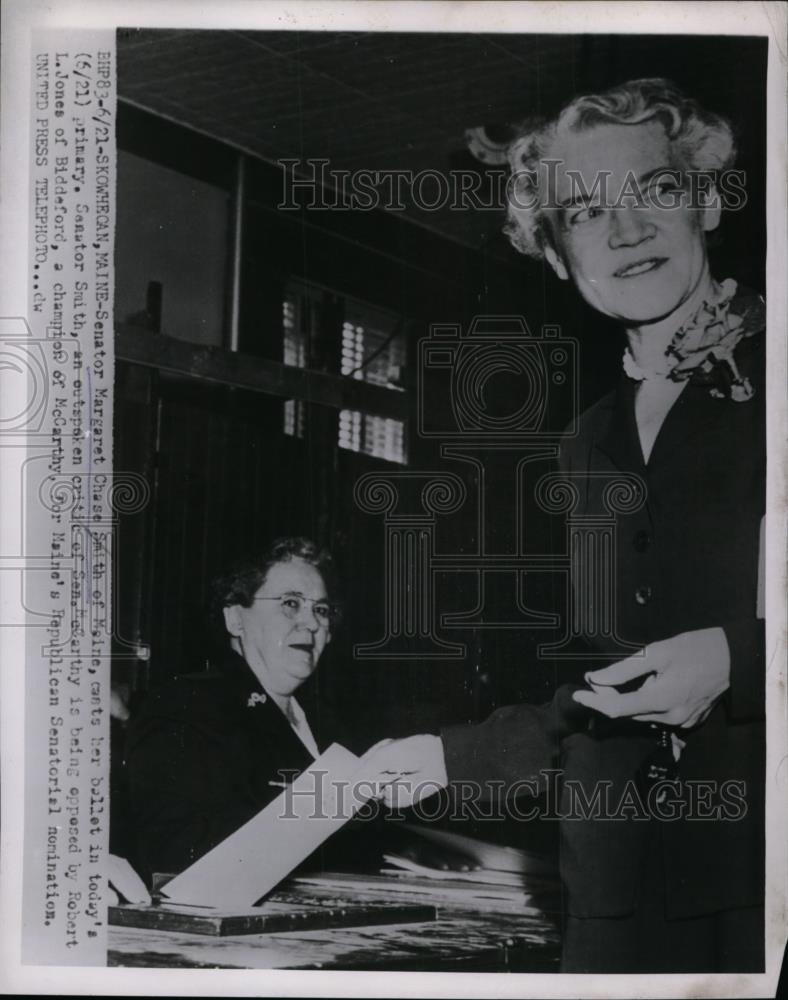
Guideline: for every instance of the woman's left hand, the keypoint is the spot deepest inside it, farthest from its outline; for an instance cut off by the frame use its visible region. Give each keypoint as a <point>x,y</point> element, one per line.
<point>686,675</point>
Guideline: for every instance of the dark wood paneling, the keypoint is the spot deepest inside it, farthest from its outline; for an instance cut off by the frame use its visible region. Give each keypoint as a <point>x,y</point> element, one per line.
<point>213,364</point>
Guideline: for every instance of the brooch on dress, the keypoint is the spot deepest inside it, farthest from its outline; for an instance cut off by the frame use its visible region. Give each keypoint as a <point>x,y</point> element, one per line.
<point>256,699</point>
<point>701,350</point>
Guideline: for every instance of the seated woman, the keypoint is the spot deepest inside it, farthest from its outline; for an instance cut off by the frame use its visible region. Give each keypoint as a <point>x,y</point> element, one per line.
<point>209,750</point>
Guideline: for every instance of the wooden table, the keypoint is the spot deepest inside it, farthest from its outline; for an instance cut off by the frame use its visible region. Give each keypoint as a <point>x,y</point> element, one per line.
<point>477,929</point>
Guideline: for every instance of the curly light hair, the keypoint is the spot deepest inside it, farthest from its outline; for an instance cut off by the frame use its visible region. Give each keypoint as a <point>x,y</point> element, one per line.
<point>703,141</point>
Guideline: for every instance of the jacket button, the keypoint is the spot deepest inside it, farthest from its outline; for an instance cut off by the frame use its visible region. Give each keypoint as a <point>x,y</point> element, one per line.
<point>643,595</point>
<point>641,541</point>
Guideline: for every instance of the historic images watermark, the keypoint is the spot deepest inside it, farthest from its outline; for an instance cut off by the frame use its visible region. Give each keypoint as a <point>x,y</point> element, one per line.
<point>314,185</point>
<point>549,795</point>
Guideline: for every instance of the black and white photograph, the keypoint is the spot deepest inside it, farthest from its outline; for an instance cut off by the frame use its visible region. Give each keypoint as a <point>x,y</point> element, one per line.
<point>395,423</point>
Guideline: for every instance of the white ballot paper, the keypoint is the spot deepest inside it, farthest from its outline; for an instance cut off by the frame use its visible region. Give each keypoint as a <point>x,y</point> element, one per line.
<point>251,861</point>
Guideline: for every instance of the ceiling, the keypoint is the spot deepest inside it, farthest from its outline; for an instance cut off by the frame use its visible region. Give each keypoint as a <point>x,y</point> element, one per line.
<point>393,101</point>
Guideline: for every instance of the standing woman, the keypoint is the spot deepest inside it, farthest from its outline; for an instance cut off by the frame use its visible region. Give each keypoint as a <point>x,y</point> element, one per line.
<point>209,750</point>
<point>618,194</point>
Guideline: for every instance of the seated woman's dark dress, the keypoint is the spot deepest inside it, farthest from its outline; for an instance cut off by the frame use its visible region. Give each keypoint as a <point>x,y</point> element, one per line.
<point>203,755</point>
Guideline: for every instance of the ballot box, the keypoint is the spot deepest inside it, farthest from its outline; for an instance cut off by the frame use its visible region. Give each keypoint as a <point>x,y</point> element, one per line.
<point>431,925</point>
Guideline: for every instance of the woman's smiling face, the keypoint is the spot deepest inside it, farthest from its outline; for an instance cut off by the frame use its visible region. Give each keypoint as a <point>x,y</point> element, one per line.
<point>634,258</point>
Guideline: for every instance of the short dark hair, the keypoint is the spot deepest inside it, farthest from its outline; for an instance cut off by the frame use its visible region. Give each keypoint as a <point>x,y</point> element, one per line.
<point>240,582</point>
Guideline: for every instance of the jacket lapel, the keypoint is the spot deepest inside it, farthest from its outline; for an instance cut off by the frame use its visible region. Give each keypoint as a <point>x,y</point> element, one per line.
<point>695,414</point>
<point>619,441</point>
<point>267,728</point>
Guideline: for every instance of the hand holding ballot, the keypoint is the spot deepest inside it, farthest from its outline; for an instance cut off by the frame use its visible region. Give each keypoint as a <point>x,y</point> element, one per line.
<point>408,769</point>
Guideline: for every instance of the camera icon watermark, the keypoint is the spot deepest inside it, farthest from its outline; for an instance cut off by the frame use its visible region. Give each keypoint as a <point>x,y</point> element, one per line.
<point>500,402</point>
<point>496,381</point>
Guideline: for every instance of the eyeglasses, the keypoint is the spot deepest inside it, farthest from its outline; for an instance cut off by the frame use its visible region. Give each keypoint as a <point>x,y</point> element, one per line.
<point>292,605</point>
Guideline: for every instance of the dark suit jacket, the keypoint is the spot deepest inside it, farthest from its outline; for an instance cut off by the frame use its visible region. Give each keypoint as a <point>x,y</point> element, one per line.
<point>200,759</point>
<point>687,560</point>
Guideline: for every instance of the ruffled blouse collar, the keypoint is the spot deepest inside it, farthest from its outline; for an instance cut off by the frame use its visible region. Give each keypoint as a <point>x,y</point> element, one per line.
<point>702,349</point>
